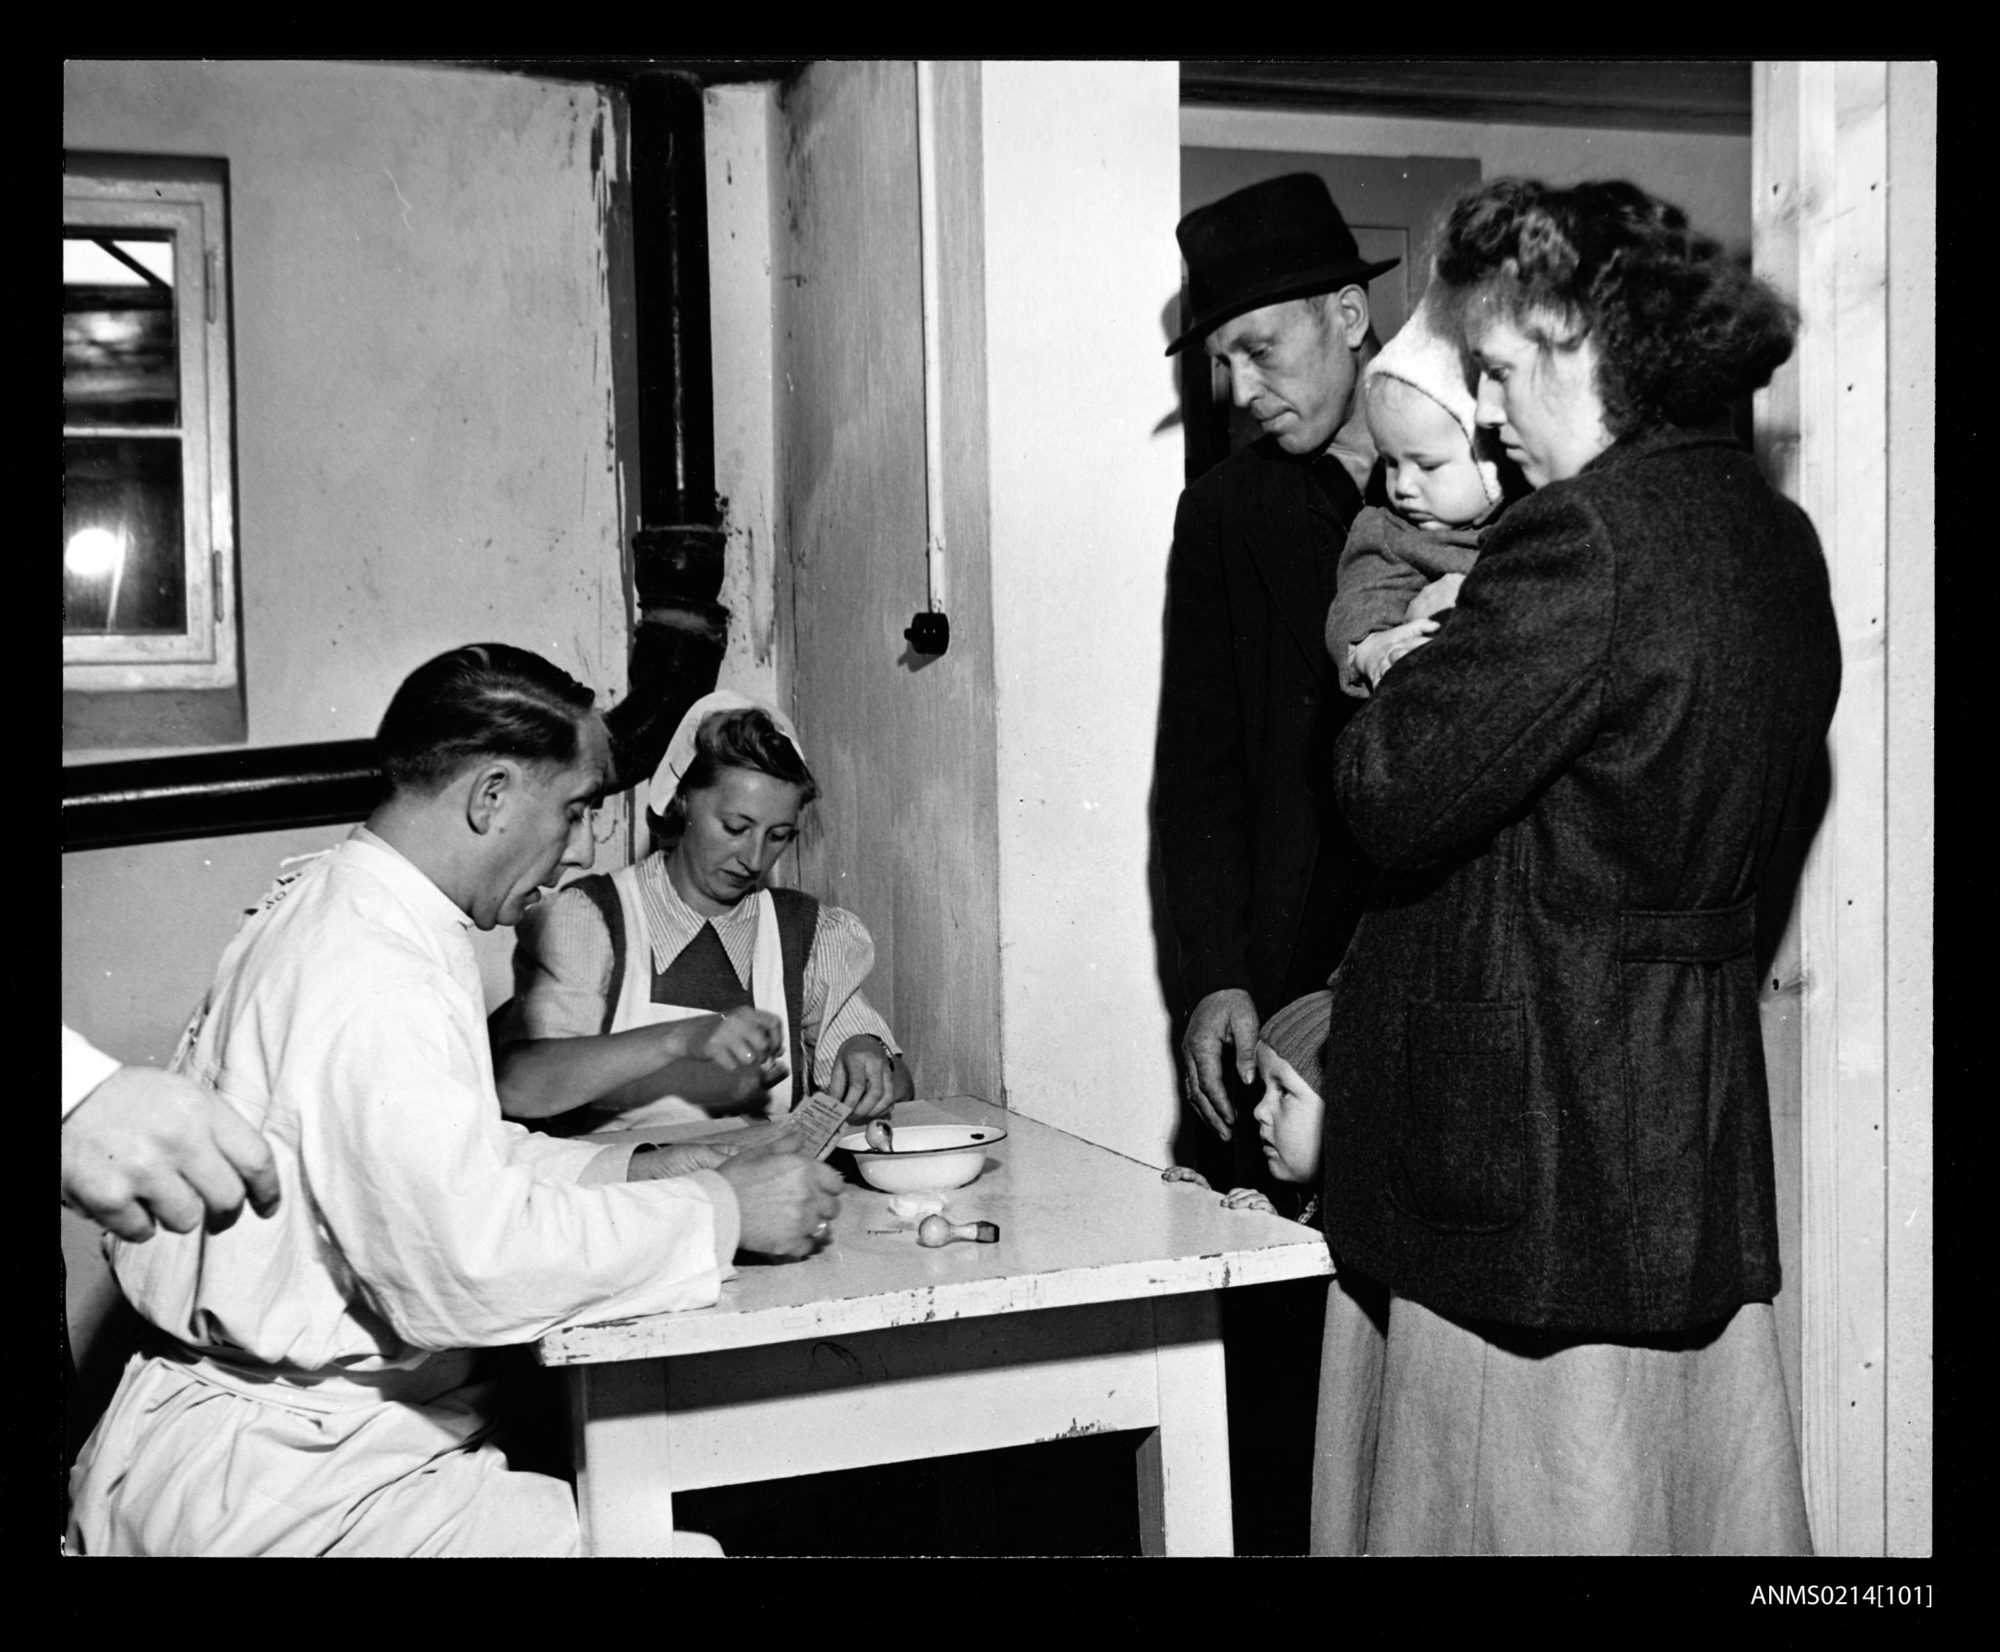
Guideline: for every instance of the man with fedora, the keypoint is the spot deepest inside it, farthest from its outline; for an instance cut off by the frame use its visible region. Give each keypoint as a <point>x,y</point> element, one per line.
<point>1260,876</point>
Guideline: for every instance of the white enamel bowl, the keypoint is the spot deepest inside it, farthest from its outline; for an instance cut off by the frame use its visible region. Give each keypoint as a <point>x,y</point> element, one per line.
<point>928,1158</point>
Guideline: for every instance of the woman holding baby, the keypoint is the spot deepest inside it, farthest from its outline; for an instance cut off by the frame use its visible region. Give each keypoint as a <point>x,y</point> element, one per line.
<point>1556,1154</point>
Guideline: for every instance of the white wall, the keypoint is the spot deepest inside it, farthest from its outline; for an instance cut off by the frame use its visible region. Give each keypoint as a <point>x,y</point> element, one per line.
<point>1706,175</point>
<point>423,356</point>
<point>1082,187</point>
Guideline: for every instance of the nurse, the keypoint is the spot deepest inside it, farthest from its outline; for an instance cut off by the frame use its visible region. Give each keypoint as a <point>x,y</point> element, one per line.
<point>609,972</point>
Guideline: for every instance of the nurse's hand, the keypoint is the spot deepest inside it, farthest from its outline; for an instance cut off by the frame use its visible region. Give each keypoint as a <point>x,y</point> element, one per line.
<point>148,1146</point>
<point>785,1201</point>
<point>867,1077</point>
<point>745,1037</point>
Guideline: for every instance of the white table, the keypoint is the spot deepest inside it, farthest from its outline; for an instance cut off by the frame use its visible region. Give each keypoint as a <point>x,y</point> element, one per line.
<point>1096,1311</point>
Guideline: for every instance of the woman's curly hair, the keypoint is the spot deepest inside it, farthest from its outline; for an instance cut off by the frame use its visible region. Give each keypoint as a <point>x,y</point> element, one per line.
<point>1682,329</point>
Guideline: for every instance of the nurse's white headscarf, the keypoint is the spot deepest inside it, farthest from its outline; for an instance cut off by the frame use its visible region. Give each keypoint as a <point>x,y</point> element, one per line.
<point>680,750</point>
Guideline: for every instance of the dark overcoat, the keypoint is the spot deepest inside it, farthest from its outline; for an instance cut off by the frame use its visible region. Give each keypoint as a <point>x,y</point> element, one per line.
<point>1546,1093</point>
<point>1260,874</point>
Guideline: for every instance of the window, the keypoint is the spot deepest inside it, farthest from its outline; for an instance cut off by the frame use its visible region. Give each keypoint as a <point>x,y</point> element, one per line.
<point>148,475</point>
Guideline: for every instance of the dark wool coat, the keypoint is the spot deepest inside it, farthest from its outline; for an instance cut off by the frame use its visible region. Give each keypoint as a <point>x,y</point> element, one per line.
<point>1260,875</point>
<point>1545,1084</point>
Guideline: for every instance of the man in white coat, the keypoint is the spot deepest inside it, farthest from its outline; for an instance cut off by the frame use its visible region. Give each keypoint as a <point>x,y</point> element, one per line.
<point>313,1390</point>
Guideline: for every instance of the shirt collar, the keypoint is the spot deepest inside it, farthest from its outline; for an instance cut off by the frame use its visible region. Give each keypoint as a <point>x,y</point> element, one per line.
<point>673,922</point>
<point>405,878</point>
<point>744,911</point>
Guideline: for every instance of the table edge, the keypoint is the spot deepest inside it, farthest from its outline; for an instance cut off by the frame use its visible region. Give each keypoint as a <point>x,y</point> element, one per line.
<point>711,1330</point>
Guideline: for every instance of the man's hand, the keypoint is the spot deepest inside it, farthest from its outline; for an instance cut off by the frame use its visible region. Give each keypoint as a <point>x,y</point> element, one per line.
<point>147,1145</point>
<point>786,1201</point>
<point>863,1076</point>
<point>1224,1017</point>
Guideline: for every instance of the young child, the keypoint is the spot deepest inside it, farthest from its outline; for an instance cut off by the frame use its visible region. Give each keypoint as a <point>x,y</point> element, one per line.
<point>1290,1116</point>
<point>1419,408</point>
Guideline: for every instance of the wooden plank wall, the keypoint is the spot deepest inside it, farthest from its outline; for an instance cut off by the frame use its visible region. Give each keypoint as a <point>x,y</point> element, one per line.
<point>1912,822</point>
<point>1846,430</point>
<point>904,834</point>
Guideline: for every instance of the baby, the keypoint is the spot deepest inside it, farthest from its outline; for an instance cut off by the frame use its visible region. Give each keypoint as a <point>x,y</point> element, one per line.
<point>1290,1115</point>
<point>1420,409</point>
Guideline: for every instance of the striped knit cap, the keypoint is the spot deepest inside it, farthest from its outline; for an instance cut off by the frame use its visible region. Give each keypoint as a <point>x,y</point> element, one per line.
<point>1298,1032</point>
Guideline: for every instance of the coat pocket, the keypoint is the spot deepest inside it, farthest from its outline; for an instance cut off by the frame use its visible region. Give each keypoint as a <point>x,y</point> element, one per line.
<point>1461,1136</point>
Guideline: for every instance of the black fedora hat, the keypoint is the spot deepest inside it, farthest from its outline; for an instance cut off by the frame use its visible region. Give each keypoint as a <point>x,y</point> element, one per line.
<point>1279,239</point>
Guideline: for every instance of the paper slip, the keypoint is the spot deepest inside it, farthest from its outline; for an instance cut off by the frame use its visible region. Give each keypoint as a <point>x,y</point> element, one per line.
<point>813,1125</point>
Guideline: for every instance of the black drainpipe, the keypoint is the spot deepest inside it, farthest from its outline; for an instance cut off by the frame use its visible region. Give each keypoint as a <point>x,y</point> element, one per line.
<point>677,551</point>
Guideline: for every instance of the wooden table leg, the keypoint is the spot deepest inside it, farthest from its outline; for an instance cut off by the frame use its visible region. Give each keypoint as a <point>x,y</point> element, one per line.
<point>1184,1463</point>
<point>624,1479</point>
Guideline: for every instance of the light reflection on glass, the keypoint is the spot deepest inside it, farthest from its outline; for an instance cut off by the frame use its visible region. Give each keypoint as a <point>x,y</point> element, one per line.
<point>122,559</point>
<point>95,553</point>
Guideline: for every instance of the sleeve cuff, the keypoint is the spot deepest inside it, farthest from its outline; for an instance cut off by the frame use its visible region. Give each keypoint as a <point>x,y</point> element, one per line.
<point>83,1069</point>
<point>607,1166</point>
<point>728,1218</point>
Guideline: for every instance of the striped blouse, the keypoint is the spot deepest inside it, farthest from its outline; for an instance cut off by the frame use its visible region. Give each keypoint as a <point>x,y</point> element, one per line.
<point>562,966</point>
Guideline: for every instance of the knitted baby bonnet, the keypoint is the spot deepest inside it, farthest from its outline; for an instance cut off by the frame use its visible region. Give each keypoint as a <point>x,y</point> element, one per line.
<point>1427,358</point>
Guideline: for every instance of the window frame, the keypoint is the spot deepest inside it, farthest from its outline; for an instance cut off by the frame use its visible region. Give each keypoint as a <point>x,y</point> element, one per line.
<point>188,197</point>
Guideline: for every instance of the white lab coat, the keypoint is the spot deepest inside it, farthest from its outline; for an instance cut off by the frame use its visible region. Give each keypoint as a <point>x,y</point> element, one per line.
<point>320,1401</point>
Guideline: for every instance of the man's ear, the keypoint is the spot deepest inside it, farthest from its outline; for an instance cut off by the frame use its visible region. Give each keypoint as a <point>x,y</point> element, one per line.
<point>1350,312</point>
<point>490,787</point>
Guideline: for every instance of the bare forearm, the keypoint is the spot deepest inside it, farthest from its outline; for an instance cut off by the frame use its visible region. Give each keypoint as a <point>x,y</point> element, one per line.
<point>540,1077</point>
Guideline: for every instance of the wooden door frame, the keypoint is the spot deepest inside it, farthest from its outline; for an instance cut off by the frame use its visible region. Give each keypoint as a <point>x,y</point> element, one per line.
<point>1844,181</point>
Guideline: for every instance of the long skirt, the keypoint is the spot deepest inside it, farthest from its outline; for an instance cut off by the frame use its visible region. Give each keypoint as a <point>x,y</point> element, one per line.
<point>1436,1437</point>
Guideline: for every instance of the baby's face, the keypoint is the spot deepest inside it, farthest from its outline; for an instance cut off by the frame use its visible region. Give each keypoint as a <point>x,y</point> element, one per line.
<point>1432,478</point>
<point>1289,1118</point>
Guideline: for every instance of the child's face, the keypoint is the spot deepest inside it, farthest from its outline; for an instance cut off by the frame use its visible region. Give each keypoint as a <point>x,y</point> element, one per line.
<point>1432,478</point>
<point>1289,1118</point>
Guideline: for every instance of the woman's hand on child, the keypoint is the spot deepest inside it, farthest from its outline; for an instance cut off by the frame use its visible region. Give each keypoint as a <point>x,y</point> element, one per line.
<point>1376,652</point>
<point>1435,598</point>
